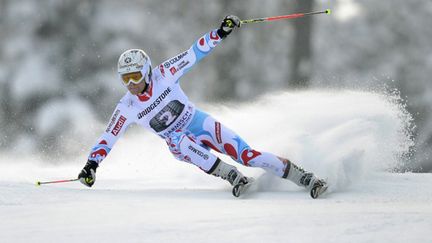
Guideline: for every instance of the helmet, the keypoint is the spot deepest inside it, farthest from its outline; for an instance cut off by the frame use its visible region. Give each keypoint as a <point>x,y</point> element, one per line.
<point>134,65</point>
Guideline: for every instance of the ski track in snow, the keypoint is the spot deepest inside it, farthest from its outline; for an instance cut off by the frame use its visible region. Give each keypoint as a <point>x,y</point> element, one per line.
<point>142,194</point>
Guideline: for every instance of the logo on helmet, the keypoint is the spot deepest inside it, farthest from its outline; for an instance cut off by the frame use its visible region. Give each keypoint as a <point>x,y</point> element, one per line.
<point>134,60</point>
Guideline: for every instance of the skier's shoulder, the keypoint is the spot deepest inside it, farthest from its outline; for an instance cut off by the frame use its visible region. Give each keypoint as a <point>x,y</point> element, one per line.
<point>161,74</point>
<point>158,73</point>
<point>127,107</point>
<point>126,101</point>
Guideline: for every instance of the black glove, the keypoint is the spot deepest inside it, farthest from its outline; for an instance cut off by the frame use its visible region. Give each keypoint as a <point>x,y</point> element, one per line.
<point>88,173</point>
<point>228,24</point>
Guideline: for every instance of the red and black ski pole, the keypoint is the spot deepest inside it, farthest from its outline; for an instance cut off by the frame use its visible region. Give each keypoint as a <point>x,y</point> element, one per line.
<point>289,16</point>
<point>38,183</point>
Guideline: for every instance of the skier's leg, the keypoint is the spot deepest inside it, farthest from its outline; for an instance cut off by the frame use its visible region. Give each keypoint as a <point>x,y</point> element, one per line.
<point>222,139</point>
<point>184,148</point>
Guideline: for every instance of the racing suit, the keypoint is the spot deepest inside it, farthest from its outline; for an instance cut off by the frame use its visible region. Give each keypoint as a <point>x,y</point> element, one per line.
<point>189,132</point>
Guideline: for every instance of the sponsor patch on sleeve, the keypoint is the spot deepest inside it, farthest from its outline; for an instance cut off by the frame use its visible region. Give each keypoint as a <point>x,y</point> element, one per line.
<point>118,126</point>
<point>113,119</point>
<point>173,70</point>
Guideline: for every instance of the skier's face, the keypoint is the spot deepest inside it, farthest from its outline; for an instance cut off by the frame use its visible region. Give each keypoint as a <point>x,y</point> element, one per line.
<point>138,88</point>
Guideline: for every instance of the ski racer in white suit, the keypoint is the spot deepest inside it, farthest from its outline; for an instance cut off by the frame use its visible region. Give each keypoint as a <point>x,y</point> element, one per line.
<point>156,101</point>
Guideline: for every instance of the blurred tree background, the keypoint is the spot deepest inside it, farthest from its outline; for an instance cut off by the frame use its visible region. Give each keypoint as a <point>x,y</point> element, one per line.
<point>58,58</point>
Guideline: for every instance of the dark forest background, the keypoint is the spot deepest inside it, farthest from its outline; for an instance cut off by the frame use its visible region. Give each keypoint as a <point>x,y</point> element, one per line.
<point>58,58</point>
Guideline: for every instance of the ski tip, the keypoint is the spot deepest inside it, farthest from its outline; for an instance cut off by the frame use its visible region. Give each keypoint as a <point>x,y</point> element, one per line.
<point>328,11</point>
<point>240,189</point>
<point>318,191</point>
<point>236,191</point>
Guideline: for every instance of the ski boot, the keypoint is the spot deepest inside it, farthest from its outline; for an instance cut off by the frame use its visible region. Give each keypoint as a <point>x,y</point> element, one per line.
<point>230,173</point>
<point>305,179</point>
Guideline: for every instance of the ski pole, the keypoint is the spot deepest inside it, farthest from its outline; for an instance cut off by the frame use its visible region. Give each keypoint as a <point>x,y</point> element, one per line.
<point>38,183</point>
<point>289,16</point>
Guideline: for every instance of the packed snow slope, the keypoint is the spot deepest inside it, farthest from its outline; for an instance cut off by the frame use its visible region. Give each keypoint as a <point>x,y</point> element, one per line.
<point>354,139</point>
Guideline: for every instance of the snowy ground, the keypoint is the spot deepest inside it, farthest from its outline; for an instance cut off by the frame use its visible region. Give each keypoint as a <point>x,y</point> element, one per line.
<point>394,207</point>
<point>143,195</point>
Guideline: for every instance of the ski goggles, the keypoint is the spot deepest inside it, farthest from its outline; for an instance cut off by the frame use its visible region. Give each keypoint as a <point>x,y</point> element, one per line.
<point>135,78</point>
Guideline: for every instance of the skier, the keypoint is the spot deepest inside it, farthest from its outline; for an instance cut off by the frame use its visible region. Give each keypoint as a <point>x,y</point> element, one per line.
<point>156,102</point>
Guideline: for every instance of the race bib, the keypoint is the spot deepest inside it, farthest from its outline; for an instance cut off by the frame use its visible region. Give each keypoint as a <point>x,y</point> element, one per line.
<point>167,116</point>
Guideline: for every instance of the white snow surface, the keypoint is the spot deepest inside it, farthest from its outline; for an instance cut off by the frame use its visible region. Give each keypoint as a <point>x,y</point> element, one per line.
<point>354,139</point>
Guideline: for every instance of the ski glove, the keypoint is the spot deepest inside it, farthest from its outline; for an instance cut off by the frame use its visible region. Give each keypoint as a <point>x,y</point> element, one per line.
<point>228,24</point>
<point>88,173</point>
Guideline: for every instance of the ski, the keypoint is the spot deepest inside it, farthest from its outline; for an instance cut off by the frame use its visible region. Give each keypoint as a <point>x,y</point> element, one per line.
<point>319,187</point>
<point>241,188</point>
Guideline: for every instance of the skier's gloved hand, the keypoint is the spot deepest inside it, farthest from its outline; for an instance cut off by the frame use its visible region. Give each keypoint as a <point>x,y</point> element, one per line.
<point>228,24</point>
<point>87,176</point>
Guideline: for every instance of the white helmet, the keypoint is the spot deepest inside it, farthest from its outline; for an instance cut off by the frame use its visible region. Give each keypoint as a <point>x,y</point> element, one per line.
<point>134,61</point>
